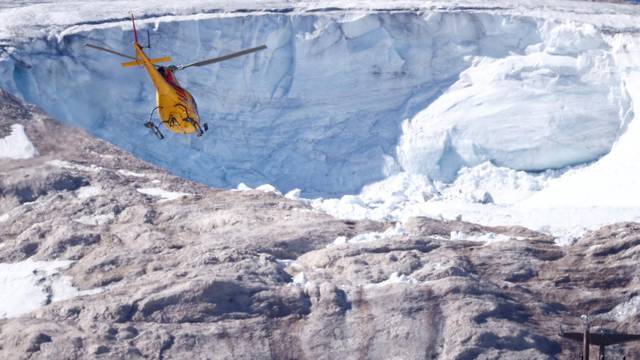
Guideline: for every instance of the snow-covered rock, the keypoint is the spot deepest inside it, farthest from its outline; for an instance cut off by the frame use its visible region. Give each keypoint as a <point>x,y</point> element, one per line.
<point>17,145</point>
<point>164,194</point>
<point>28,285</point>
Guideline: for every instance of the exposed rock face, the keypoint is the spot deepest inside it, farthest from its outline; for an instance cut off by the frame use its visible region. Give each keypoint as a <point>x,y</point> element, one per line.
<point>205,275</point>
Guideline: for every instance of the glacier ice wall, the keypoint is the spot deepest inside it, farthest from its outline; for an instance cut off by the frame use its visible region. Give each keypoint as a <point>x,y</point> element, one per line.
<point>561,103</point>
<point>322,108</point>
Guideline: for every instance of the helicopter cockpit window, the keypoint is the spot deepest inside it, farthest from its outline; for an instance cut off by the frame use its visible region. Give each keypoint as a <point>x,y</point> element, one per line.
<point>168,75</point>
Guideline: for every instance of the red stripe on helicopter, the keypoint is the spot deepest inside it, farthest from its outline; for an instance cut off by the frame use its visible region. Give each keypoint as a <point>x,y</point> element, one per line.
<point>181,94</point>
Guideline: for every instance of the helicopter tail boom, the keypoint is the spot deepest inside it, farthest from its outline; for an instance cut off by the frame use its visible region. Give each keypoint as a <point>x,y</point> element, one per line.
<point>135,32</point>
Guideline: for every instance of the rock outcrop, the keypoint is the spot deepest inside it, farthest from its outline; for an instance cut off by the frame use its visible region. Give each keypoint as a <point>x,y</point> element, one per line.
<point>165,268</point>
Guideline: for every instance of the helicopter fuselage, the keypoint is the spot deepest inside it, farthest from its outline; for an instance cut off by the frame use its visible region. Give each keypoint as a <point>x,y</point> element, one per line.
<point>176,107</point>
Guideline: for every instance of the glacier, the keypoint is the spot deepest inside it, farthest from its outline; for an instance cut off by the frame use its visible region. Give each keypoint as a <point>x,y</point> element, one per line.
<point>377,110</point>
<point>562,103</point>
<point>321,109</point>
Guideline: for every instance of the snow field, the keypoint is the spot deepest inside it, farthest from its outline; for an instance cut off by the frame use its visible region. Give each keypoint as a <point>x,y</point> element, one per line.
<point>87,192</point>
<point>624,311</point>
<point>95,220</point>
<point>396,278</point>
<point>17,145</point>
<point>405,195</point>
<point>163,194</point>
<point>28,285</point>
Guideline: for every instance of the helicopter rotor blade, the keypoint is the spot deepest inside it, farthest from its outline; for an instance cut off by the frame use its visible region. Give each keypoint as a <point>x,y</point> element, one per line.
<point>222,58</point>
<point>109,51</point>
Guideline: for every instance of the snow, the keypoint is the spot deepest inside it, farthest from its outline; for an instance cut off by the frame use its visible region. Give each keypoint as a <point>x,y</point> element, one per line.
<point>17,145</point>
<point>73,166</point>
<point>396,230</point>
<point>87,192</point>
<point>384,200</point>
<point>268,188</point>
<point>501,113</point>
<point>63,289</point>
<point>293,194</point>
<point>360,26</point>
<point>300,280</point>
<point>405,195</point>
<point>95,220</point>
<point>284,262</point>
<point>243,187</point>
<point>615,176</point>
<point>21,18</point>
<point>131,173</point>
<point>484,237</point>
<point>164,194</point>
<point>504,186</point>
<point>624,311</point>
<point>396,278</point>
<point>28,285</point>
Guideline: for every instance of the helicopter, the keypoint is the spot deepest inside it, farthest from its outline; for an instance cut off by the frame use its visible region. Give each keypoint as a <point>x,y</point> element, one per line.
<point>176,107</point>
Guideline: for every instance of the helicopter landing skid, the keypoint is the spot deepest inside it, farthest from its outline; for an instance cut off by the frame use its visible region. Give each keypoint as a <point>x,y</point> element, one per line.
<point>195,125</point>
<point>153,127</point>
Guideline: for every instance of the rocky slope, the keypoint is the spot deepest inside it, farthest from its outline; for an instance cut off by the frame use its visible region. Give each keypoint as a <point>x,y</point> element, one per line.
<point>168,269</point>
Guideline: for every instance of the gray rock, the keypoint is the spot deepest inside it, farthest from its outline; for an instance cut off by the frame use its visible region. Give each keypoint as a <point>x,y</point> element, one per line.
<point>202,276</point>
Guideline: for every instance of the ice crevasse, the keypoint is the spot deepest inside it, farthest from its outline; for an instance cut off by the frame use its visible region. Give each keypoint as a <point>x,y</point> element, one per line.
<point>340,100</point>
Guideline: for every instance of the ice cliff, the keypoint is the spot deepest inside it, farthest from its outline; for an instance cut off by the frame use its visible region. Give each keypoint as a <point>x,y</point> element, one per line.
<point>343,99</point>
<point>560,103</point>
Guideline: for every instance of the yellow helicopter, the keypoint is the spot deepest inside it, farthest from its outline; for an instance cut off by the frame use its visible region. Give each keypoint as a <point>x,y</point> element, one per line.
<point>176,107</point>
